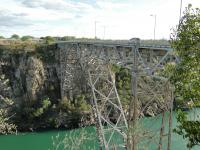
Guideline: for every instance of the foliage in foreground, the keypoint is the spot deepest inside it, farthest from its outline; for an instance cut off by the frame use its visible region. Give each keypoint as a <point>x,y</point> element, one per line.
<point>188,129</point>
<point>186,42</point>
<point>186,76</point>
<point>74,140</point>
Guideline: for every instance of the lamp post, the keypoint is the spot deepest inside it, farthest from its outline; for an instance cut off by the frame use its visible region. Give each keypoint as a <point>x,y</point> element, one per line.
<point>95,24</point>
<point>154,33</point>
<point>180,9</point>
<point>95,29</point>
<point>104,31</point>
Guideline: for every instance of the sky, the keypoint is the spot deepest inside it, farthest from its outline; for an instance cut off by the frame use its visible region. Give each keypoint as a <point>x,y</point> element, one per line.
<point>114,19</point>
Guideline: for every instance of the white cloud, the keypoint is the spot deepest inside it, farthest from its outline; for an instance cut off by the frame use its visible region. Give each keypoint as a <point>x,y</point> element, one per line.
<point>122,19</point>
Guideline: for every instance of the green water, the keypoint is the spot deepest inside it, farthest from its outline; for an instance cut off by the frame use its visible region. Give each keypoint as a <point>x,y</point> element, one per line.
<point>43,140</point>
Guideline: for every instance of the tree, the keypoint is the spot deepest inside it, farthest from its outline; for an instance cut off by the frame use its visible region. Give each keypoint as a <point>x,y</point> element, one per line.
<point>49,39</point>
<point>67,38</point>
<point>2,37</point>
<point>186,76</point>
<point>15,36</point>
<point>26,37</point>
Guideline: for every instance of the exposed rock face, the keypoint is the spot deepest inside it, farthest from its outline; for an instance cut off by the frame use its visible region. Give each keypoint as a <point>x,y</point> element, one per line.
<point>35,77</point>
<point>30,77</point>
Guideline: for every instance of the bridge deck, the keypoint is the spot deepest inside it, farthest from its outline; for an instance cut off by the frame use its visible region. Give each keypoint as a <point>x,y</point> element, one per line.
<point>117,43</point>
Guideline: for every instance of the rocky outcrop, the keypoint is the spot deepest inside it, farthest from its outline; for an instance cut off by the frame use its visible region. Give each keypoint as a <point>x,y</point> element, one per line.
<point>30,77</point>
<point>35,78</point>
<point>35,75</point>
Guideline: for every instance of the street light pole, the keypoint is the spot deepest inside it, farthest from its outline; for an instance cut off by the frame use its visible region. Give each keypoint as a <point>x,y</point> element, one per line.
<point>95,26</point>
<point>154,33</point>
<point>104,31</point>
<point>180,9</point>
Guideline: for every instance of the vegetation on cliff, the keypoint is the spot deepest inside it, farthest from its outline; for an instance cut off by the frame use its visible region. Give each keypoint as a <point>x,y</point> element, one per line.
<point>33,70</point>
<point>33,73</point>
<point>5,108</point>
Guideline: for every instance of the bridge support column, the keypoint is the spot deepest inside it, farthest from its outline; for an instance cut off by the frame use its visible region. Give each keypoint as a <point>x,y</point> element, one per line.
<point>109,112</point>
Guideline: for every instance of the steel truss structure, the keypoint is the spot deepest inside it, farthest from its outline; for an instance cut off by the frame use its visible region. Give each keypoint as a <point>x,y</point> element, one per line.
<point>90,62</point>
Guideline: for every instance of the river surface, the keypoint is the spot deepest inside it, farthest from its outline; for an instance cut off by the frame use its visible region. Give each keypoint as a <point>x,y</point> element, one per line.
<point>43,140</point>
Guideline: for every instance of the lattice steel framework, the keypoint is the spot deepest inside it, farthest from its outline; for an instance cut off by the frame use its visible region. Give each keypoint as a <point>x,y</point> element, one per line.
<point>94,60</point>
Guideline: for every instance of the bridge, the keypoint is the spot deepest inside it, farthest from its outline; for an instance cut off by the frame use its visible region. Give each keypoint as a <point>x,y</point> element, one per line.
<point>90,62</point>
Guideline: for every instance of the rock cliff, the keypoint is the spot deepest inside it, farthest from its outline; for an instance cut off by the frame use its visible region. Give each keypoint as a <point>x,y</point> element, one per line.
<point>34,80</point>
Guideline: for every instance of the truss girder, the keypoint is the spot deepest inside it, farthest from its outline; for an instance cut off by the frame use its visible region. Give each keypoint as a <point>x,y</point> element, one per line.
<point>94,59</point>
<point>111,117</point>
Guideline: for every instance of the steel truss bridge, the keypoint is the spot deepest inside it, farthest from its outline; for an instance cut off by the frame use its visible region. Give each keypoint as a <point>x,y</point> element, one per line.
<point>90,64</point>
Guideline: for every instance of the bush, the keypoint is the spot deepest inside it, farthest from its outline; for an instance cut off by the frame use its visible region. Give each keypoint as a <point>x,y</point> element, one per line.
<point>39,111</point>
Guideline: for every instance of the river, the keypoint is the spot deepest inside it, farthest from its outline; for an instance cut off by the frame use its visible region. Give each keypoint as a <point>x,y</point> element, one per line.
<point>43,140</point>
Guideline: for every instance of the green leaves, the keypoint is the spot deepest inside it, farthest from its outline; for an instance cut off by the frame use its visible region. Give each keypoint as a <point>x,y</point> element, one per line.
<point>186,74</point>
<point>45,104</point>
<point>15,36</point>
<point>26,37</point>
<point>123,84</point>
<point>49,39</point>
<point>186,42</point>
<point>188,129</point>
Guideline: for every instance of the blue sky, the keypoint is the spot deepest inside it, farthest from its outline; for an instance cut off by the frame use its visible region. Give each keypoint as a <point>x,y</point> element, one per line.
<point>115,19</point>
